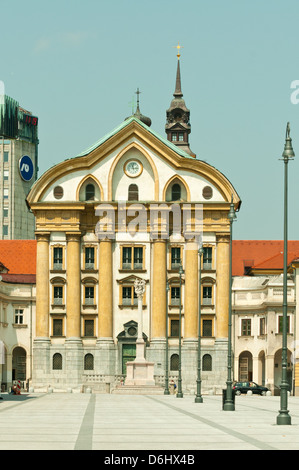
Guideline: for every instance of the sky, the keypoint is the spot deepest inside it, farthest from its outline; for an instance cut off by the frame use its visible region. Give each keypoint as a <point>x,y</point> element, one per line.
<point>77,65</point>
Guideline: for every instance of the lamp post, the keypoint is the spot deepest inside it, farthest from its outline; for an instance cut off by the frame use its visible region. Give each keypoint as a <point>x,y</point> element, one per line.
<point>198,398</point>
<point>229,403</point>
<point>166,390</point>
<point>283,416</point>
<point>180,393</point>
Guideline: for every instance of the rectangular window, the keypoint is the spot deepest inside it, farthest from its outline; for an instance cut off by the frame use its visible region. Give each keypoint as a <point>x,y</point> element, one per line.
<point>280,324</point>
<point>5,193</point>
<point>175,257</point>
<point>58,295</point>
<point>57,257</point>
<point>5,212</point>
<point>174,137</point>
<point>19,316</point>
<point>129,296</point>
<point>6,155</point>
<point>5,229</point>
<point>175,296</point>
<point>138,257</point>
<point>207,329</point>
<point>132,257</point>
<point>57,327</point>
<point>246,327</point>
<point>174,328</point>
<point>89,328</point>
<point>89,295</point>
<point>127,257</point>
<point>207,295</point>
<point>207,257</point>
<point>181,136</point>
<point>89,257</point>
<point>5,175</point>
<point>262,326</point>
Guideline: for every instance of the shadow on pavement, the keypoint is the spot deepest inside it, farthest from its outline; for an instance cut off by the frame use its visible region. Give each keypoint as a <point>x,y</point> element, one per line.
<point>10,397</point>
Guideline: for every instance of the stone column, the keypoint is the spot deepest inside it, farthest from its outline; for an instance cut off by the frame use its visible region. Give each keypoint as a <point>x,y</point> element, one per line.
<point>42,285</point>
<point>73,293</point>
<point>222,285</point>
<point>73,342</point>
<point>191,292</point>
<point>106,355</point>
<point>105,319</point>
<point>41,344</point>
<point>269,372</point>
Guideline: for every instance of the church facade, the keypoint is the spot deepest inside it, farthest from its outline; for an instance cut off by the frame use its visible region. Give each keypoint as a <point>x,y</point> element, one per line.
<point>133,206</point>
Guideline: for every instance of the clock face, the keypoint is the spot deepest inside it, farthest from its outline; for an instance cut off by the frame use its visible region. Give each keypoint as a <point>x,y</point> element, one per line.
<point>133,168</point>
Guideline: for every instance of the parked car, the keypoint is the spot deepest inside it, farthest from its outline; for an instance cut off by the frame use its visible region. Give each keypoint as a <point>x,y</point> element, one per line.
<point>244,387</point>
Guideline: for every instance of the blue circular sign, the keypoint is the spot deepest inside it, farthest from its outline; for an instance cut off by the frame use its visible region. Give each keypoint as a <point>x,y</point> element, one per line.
<point>26,168</point>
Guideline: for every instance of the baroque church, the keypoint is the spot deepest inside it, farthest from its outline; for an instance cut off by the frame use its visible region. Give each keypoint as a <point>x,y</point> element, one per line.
<point>91,248</point>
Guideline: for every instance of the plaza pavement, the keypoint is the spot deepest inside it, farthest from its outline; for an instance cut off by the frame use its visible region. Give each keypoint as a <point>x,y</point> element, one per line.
<point>74,421</point>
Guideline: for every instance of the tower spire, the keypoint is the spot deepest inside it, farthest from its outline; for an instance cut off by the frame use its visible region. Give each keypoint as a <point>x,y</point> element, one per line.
<point>178,86</point>
<point>178,125</point>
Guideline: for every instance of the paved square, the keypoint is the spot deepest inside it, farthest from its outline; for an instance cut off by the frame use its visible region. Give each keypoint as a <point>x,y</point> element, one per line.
<point>69,421</point>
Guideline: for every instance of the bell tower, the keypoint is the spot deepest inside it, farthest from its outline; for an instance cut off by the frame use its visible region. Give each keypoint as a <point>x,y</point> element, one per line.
<point>178,125</point>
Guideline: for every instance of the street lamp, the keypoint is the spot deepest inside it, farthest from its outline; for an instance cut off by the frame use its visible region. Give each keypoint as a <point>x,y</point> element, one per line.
<point>198,398</point>
<point>180,393</point>
<point>166,390</point>
<point>283,416</point>
<point>229,403</point>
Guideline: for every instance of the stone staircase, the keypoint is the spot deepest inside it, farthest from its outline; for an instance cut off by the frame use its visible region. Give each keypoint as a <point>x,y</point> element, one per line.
<point>138,390</point>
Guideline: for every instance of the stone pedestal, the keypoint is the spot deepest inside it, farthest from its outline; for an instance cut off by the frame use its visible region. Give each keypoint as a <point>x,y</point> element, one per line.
<point>140,372</point>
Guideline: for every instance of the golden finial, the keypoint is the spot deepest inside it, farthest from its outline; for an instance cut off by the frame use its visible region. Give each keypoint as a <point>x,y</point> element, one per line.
<point>178,47</point>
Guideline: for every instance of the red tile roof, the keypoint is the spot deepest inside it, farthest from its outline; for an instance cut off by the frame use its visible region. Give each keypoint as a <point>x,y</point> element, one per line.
<point>19,256</point>
<point>261,254</point>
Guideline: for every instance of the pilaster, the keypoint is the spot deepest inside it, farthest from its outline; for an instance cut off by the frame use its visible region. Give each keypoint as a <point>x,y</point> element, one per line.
<point>222,285</point>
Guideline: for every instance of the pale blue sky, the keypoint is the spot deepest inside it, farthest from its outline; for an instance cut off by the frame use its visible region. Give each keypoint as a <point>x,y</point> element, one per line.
<point>76,65</point>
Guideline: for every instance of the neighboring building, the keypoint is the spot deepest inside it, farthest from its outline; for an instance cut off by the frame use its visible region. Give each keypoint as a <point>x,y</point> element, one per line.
<point>18,168</point>
<point>17,309</point>
<point>86,309</point>
<point>257,312</point>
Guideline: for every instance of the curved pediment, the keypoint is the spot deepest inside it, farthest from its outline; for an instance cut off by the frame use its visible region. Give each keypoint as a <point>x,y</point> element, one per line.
<point>161,160</point>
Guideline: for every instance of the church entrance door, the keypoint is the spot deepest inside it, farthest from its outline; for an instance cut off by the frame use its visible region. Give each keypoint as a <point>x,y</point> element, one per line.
<point>128,354</point>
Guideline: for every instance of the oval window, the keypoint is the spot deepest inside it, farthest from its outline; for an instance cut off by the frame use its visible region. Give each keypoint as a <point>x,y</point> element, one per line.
<point>207,192</point>
<point>58,192</point>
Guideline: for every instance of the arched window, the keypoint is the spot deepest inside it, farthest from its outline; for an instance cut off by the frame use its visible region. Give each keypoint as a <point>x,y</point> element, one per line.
<point>89,192</point>
<point>176,192</point>
<point>207,362</point>
<point>174,362</point>
<point>88,362</point>
<point>133,192</point>
<point>57,361</point>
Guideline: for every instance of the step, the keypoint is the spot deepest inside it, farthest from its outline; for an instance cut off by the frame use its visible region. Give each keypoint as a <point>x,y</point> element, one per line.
<point>138,390</point>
